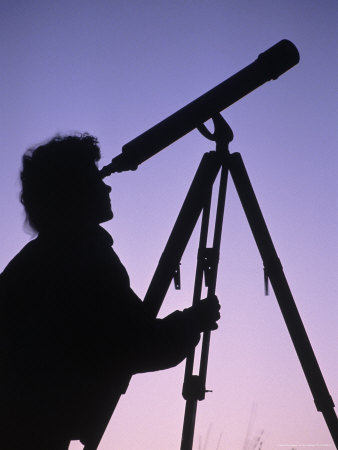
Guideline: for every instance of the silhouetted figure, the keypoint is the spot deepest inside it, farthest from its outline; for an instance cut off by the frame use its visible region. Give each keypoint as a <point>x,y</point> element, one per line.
<point>72,330</point>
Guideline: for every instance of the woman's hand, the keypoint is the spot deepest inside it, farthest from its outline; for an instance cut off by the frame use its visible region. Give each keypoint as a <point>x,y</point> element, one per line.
<point>205,313</point>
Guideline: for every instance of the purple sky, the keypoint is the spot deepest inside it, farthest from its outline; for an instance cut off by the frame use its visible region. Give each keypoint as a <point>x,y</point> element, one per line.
<point>115,68</point>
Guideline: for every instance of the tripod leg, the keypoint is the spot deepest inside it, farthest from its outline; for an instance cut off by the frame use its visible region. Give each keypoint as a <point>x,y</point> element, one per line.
<point>274,270</point>
<point>216,249</point>
<point>181,233</point>
<point>194,385</point>
<point>193,389</point>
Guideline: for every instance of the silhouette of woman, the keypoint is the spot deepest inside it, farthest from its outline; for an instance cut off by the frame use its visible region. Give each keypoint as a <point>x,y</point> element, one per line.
<point>72,329</point>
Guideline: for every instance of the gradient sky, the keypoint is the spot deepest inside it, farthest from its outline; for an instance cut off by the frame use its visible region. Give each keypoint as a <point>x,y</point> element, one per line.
<point>115,68</point>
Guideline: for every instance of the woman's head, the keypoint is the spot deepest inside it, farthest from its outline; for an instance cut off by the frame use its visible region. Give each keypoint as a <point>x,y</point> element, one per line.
<point>61,183</point>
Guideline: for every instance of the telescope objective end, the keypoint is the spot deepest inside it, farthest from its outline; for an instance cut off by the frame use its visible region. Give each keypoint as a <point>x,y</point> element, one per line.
<point>279,58</point>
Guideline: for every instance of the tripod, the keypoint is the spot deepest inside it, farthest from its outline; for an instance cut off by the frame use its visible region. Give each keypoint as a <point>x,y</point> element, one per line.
<point>197,202</point>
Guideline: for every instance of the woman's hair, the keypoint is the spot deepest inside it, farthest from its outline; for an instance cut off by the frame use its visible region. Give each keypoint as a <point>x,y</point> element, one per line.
<point>51,175</point>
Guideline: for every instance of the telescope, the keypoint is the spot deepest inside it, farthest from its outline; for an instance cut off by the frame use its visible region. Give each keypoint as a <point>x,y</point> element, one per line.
<point>268,66</point>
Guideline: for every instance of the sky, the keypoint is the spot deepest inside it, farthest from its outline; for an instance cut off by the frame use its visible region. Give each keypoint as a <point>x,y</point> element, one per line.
<point>114,69</point>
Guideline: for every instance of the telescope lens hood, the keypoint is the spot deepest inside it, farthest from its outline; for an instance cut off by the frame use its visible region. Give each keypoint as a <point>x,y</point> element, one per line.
<point>279,59</point>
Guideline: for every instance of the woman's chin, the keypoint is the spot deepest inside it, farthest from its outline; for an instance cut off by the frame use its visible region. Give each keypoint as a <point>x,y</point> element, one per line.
<point>106,217</point>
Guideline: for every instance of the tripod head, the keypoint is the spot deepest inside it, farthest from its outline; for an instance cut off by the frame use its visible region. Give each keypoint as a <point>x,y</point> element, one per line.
<point>222,134</point>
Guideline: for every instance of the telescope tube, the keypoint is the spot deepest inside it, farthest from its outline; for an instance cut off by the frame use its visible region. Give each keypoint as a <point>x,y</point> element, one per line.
<point>268,66</point>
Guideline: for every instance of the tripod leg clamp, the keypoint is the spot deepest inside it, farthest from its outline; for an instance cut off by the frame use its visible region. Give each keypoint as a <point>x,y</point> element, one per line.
<point>177,277</point>
<point>194,388</point>
<point>209,258</point>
